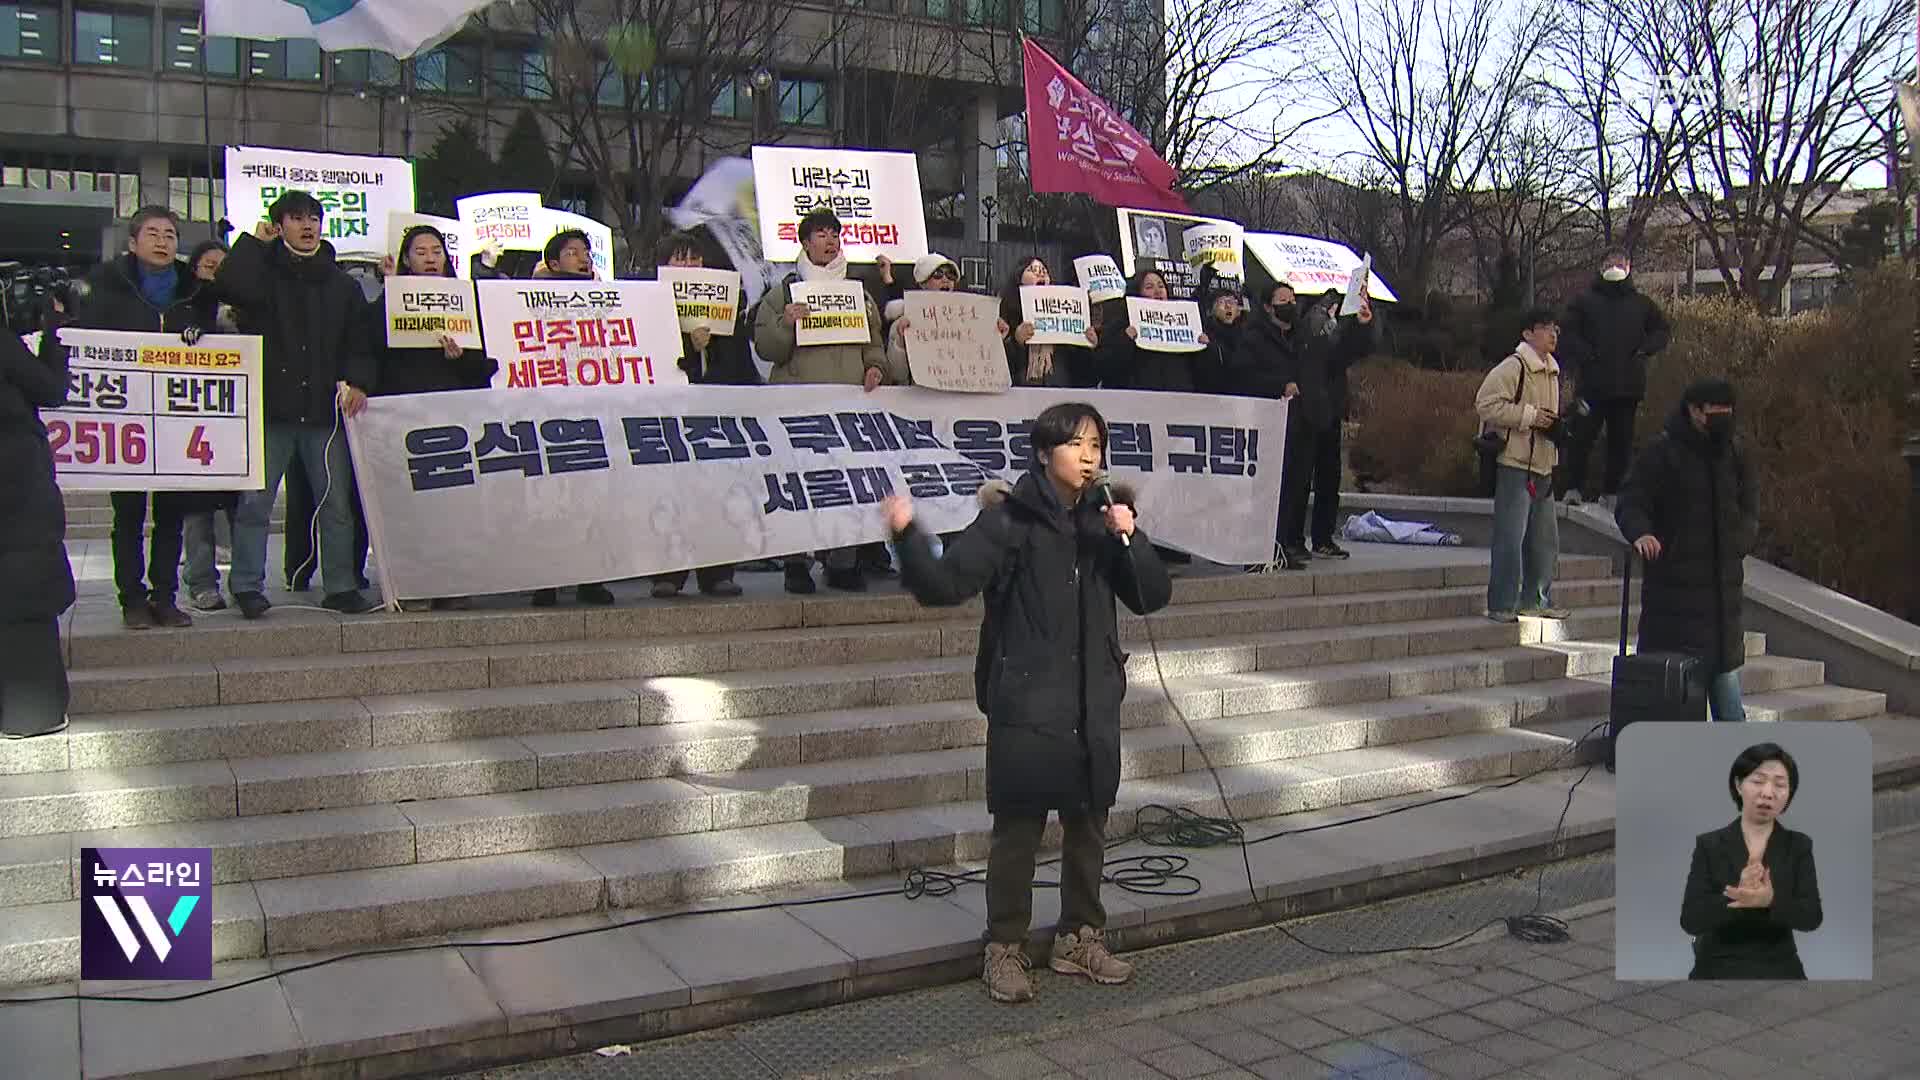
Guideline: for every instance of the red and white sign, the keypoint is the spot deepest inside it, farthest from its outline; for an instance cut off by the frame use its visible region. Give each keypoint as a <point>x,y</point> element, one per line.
<point>1076,142</point>
<point>611,334</point>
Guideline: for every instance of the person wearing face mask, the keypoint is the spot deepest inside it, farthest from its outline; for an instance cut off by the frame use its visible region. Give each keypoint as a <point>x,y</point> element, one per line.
<point>1606,338</point>
<point>1688,507</point>
<point>1752,883</point>
<point>1318,349</point>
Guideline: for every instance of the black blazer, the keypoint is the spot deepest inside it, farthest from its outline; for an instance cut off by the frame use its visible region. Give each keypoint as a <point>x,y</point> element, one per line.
<point>1749,943</point>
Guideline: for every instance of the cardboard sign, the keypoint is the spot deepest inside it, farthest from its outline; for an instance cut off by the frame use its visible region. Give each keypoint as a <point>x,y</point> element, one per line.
<point>357,193</point>
<point>709,298</point>
<point>614,335</point>
<point>421,309</point>
<point>953,342</point>
<point>1165,325</point>
<point>875,195</point>
<point>839,314</point>
<point>453,232</point>
<point>1101,277</point>
<point>1060,314</point>
<point>1218,244</point>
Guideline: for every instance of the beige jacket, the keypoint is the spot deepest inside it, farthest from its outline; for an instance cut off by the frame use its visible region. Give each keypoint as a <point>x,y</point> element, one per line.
<point>773,338</point>
<point>1527,447</point>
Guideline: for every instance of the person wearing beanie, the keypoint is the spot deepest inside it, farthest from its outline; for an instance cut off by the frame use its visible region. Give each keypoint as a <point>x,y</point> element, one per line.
<point>1607,336</point>
<point>1688,509</point>
<point>933,273</point>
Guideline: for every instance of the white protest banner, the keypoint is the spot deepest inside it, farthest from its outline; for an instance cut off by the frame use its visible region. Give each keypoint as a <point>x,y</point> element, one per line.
<point>506,218</point>
<point>1311,265</point>
<point>953,342</point>
<point>421,309</point>
<point>454,233</point>
<point>1060,314</point>
<point>1101,276</point>
<point>147,412</point>
<point>1352,297</point>
<point>357,193</point>
<point>837,313</point>
<point>1218,244</point>
<point>1165,325</point>
<point>1154,240</point>
<point>473,492</point>
<point>709,298</point>
<point>599,237</point>
<point>875,194</point>
<point>599,334</point>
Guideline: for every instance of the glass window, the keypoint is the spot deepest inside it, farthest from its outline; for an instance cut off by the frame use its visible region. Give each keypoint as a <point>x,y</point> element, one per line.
<point>290,61</point>
<point>522,73</point>
<point>30,32</point>
<point>613,87</point>
<point>192,197</point>
<point>180,50</point>
<point>931,9</point>
<point>365,67</point>
<point>732,101</point>
<point>989,13</point>
<point>1044,17</point>
<point>223,57</point>
<point>449,69</point>
<point>113,39</point>
<point>803,102</point>
<point>127,195</point>
<point>666,88</point>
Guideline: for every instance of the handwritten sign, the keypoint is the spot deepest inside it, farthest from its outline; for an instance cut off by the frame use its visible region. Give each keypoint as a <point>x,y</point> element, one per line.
<point>953,342</point>
<point>1060,314</point>
<point>709,298</point>
<point>838,314</point>
<point>420,309</point>
<point>1217,244</point>
<point>1101,277</point>
<point>1165,325</point>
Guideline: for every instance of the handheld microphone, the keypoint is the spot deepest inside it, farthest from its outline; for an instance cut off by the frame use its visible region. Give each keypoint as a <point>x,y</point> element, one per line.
<point>1103,491</point>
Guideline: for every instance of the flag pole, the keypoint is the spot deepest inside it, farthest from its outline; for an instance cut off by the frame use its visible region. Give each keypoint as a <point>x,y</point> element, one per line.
<point>206,137</point>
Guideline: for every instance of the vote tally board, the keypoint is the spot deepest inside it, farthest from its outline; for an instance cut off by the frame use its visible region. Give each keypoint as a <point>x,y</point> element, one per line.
<point>148,412</point>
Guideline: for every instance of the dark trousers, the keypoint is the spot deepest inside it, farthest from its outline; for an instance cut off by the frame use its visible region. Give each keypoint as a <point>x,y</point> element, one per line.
<point>1616,415</point>
<point>141,575</point>
<point>1312,468</point>
<point>1010,863</point>
<point>33,677</point>
<point>707,576</point>
<point>301,560</point>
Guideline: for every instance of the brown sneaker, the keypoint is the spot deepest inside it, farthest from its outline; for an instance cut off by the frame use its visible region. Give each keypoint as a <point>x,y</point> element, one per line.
<point>1006,973</point>
<point>1085,953</point>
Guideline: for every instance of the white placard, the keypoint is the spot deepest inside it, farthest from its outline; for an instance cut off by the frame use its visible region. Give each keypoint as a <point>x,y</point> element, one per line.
<point>1219,244</point>
<point>954,344</point>
<point>1060,314</point>
<point>147,412</point>
<point>599,237</point>
<point>420,309</point>
<point>702,297</point>
<point>1101,277</point>
<point>637,482</point>
<point>875,194</point>
<point>604,335</point>
<point>1354,295</point>
<point>1165,325</point>
<point>510,219</point>
<point>837,314</point>
<point>359,194</point>
<point>1312,265</point>
<point>452,231</point>
<point>1156,240</point>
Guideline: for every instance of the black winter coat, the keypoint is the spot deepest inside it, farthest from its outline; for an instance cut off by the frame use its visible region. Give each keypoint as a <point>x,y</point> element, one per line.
<point>728,361</point>
<point>1698,501</point>
<point>33,518</point>
<point>113,301</point>
<point>1225,343</point>
<point>1749,943</point>
<point>1258,366</point>
<point>313,318</point>
<point>1124,365</point>
<point>1049,675</point>
<point>1607,335</point>
<point>423,370</point>
<point>1323,349</point>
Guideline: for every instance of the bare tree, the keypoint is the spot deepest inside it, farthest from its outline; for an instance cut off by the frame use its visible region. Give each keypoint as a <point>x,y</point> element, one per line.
<point>1530,208</point>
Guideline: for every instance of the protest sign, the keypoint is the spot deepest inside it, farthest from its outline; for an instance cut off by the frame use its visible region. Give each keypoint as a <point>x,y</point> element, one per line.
<point>1060,314</point>
<point>1217,244</point>
<point>147,412</point>
<point>1101,277</point>
<point>838,314</point>
<point>357,193</point>
<point>1354,294</point>
<point>876,196</point>
<point>599,334</point>
<point>1311,265</point>
<point>552,222</point>
<point>709,298</point>
<point>1165,325</point>
<point>420,309</point>
<point>953,342</point>
<point>473,492</point>
<point>1152,240</point>
<point>506,218</point>
<point>451,231</point>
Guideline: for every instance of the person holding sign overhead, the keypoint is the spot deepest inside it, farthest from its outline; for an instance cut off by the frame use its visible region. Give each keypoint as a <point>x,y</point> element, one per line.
<point>777,327</point>
<point>1041,365</point>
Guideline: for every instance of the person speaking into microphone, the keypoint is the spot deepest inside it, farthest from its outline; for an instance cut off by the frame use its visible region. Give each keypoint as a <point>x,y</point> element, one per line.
<point>1050,554</point>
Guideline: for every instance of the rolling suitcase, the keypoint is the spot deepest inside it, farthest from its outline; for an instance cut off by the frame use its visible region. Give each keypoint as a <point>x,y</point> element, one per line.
<point>1651,686</point>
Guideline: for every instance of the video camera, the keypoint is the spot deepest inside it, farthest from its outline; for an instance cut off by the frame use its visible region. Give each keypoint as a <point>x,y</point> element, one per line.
<point>29,295</point>
<point>1567,424</point>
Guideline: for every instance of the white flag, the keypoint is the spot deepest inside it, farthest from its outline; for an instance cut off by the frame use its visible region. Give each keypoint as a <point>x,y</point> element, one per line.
<point>400,27</point>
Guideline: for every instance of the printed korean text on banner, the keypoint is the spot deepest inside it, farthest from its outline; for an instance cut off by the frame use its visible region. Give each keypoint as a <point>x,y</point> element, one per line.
<point>875,194</point>
<point>1312,265</point>
<point>552,222</point>
<point>453,232</point>
<point>146,412</point>
<point>421,309</point>
<point>1165,325</point>
<point>1354,294</point>
<point>1078,143</point>
<point>1217,244</point>
<point>474,492</point>
<point>1060,314</point>
<point>359,194</point>
<point>837,314</point>
<point>709,298</point>
<point>953,342</point>
<point>599,334</point>
<point>507,218</point>
<point>1101,277</point>
<point>1155,241</point>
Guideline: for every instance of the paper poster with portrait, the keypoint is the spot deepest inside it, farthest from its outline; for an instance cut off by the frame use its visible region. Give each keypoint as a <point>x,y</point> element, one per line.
<point>1153,240</point>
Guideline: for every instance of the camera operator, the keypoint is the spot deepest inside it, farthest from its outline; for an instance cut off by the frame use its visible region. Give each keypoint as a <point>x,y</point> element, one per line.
<point>1520,407</point>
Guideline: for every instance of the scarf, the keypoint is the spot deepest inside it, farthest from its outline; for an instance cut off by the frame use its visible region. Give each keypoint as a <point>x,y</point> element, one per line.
<point>833,271</point>
<point>1039,364</point>
<point>158,287</point>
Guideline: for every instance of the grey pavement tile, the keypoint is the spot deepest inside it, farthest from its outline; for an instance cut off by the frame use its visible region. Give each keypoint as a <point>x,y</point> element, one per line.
<point>1356,1019</point>
<point>1260,1012</point>
<point>1185,1062</point>
<point>1505,981</point>
<point>42,1039</point>
<point>1304,1033</point>
<point>1457,993</point>
<point>1548,968</point>
<point>1411,976</point>
<point>1600,985</point>
<point>1242,1047</point>
<point>1080,1050</point>
<point>1408,1041</point>
<point>1570,1067</point>
<point>1289,1067</point>
<point>1557,1000</point>
<point>1565,1033</point>
<point>1678,1070</point>
<point>390,1003</point>
<point>1230,1074</point>
<point>1406,1006</point>
<point>1021,1063</point>
<point>944,1071</point>
<point>1353,1055</point>
<point>1509,1014</point>
<point>1458,1027</point>
<point>1201,1025</point>
<point>1463,1063</point>
<point>1721,1028</point>
<point>1590,957</point>
<point>727,954</point>
<point>1816,1033</point>
<point>574,980</point>
<point>1123,1069</point>
<point>1514,1048</point>
<point>1143,1038</point>
<point>1611,1019</point>
<point>1623,1055</point>
<point>1675,1040</point>
<point>1656,1006</point>
<point>1702,995</point>
<point>119,1038</point>
<point>1735,1061</point>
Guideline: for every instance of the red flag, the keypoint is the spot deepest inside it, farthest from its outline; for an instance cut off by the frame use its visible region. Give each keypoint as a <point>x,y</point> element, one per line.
<point>1076,142</point>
